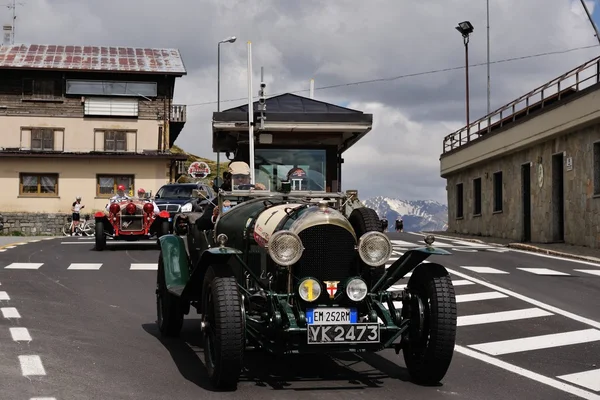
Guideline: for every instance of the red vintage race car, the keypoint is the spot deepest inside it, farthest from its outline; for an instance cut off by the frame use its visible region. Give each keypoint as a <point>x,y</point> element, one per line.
<point>130,219</point>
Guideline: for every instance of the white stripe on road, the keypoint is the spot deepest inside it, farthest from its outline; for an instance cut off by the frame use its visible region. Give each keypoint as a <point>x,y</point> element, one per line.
<point>538,342</point>
<point>589,271</point>
<point>10,312</point>
<point>145,241</point>
<point>502,316</point>
<point>83,266</point>
<point>31,365</point>
<point>148,267</point>
<point>4,296</point>
<point>462,298</point>
<point>43,398</point>
<point>459,282</point>
<point>587,379</point>
<point>543,271</point>
<point>529,300</point>
<point>20,334</point>
<point>527,374</point>
<point>485,270</point>
<point>24,266</point>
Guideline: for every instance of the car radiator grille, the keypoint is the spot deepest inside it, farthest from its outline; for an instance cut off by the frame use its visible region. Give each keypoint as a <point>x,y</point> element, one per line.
<point>169,207</point>
<point>329,253</point>
<point>131,223</point>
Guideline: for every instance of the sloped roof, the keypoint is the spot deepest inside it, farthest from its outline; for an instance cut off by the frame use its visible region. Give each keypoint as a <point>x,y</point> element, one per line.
<point>92,58</point>
<point>291,103</point>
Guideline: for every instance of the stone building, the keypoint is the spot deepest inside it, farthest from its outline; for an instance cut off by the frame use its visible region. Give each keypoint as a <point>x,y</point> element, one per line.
<point>530,171</point>
<point>81,120</point>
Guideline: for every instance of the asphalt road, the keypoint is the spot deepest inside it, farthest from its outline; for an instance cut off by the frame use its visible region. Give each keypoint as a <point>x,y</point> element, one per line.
<point>80,324</point>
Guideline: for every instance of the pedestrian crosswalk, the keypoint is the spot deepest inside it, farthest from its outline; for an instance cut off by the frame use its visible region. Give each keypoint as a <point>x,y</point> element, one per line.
<point>497,323</point>
<point>82,266</point>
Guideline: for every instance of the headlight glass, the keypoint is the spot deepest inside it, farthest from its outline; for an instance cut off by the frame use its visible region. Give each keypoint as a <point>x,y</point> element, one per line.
<point>187,207</point>
<point>309,289</point>
<point>356,289</point>
<point>374,248</point>
<point>285,248</point>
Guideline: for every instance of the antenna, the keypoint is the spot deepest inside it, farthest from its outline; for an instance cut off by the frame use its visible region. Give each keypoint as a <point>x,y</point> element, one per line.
<point>12,6</point>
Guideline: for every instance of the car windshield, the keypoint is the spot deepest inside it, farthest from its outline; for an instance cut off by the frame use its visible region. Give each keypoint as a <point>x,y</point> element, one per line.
<point>305,169</point>
<point>175,192</point>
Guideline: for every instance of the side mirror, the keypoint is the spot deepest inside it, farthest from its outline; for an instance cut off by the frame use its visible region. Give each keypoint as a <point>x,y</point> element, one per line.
<point>157,196</point>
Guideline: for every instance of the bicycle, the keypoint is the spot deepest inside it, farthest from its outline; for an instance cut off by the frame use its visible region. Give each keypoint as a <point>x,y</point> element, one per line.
<point>84,227</point>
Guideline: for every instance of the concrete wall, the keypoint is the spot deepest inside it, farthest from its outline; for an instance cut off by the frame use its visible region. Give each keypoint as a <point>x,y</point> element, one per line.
<point>76,177</point>
<point>582,208</point>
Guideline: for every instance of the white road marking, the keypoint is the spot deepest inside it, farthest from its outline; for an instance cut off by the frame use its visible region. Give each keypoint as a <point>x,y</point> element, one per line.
<point>502,316</point>
<point>84,266</point>
<point>9,247</point>
<point>402,243</point>
<point>31,365</point>
<point>4,296</point>
<point>459,282</point>
<point>43,398</point>
<point>529,300</point>
<point>588,379</point>
<point>528,374</point>
<point>589,271</point>
<point>543,271</point>
<point>10,312</point>
<point>462,298</point>
<point>538,342</point>
<point>144,266</point>
<point>533,253</point>
<point>24,266</point>
<point>20,334</point>
<point>485,270</point>
<point>2,250</point>
<point>117,242</point>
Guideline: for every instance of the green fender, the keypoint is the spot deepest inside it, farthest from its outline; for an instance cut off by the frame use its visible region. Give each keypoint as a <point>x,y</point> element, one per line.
<point>175,260</point>
<point>211,256</point>
<point>404,265</point>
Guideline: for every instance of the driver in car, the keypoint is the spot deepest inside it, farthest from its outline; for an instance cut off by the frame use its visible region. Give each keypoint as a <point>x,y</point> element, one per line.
<point>120,196</point>
<point>142,196</point>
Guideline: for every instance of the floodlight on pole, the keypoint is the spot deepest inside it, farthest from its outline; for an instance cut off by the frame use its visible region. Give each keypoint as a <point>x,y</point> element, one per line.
<point>466,28</point>
<point>231,39</point>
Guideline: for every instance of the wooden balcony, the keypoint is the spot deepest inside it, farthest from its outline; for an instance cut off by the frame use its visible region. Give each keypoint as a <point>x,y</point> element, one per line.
<point>178,113</point>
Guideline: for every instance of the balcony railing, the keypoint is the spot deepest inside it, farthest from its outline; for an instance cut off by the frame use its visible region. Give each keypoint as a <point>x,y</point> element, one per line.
<point>557,89</point>
<point>178,113</point>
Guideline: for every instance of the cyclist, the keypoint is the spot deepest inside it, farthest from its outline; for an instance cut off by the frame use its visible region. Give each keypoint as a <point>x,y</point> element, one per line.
<point>76,208</point>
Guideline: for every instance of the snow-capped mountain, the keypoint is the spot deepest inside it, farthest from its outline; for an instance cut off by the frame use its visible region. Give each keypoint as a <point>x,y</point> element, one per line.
<point>418,215</point>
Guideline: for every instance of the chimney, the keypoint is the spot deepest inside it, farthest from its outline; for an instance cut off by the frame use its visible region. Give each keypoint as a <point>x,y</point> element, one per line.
<point>7,35</point>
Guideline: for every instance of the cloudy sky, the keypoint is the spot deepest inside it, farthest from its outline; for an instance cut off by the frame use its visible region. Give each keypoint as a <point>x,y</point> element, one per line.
<point>338,42</point>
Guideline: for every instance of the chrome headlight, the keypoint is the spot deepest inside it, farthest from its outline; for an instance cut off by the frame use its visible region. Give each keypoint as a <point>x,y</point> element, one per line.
<point>374,248</point>
<point>309,289</point>
<point>356,289</point>
<point>285,248</point>
<point>187,207</point>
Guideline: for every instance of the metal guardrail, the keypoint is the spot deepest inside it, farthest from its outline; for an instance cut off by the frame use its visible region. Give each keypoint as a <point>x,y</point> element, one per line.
<point>555,90</point>
<point>178,113</point>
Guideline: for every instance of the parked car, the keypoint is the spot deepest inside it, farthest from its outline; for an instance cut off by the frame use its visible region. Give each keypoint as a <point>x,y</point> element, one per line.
<point>178,198</point>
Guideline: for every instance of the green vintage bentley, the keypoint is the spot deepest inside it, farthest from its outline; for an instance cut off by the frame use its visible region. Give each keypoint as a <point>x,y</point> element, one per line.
<point>300,268</point>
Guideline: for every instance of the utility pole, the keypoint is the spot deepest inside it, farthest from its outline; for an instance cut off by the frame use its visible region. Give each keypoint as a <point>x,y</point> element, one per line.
<point>488,57</point>
<point>13,7</point>
<point>591,20</point>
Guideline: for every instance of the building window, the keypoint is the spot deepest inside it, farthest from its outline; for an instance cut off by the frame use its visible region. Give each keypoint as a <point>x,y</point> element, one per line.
<point>42,139</point>
<point>459,200</point>
<point>106,185</point>
<point>498,191</point>
<point>36,184</point>
<point>477,196</point>
<point>41,89</point>
<point>111,88</point>
<point>115,141</point>
<point>597,168</point>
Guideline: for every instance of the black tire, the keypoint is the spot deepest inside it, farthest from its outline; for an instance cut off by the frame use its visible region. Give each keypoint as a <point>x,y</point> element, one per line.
<point>365,220</point>
<point>164,228</point>
<point>169,308</point>
<point>428,354</point>
<point>100,237</point>
<point>224,335</point>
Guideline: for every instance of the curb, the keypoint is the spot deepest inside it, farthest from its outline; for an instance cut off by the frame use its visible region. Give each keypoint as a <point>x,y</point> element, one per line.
<point>526,247</point>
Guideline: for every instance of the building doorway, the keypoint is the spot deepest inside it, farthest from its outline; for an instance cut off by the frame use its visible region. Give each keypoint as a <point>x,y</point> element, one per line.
<point>526,201</point>
<point>558,198</point>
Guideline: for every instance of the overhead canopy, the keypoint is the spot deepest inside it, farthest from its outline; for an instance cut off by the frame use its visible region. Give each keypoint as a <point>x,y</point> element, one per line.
<point>293,120</point>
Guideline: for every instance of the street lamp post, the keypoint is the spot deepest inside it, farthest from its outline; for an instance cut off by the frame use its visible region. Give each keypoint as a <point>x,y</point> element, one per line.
<point>465,28</point>
<point>228,40</point>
